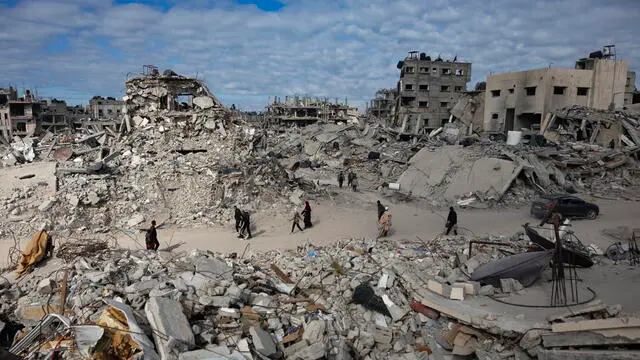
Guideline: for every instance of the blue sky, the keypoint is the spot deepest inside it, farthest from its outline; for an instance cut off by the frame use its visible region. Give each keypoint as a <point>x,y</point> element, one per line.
<point>250,50</point>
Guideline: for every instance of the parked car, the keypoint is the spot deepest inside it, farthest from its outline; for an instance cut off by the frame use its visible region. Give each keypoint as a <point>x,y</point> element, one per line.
<point>568,206</point>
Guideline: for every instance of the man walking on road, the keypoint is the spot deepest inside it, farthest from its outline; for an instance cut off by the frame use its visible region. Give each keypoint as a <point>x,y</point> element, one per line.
<point>380,210</point>
<point>452,222</point>
<point>246,225</point>
<point>296,221</point>
<point>340,179</point>
<point>238,216</point>
<point>151,238</point>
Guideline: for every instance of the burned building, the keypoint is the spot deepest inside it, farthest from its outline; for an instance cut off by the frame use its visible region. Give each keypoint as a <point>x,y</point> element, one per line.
<point>305,110</point>
<point>522,100</point>
<point>108,108</point>
<point>427,90</point>
<point>382,106</point>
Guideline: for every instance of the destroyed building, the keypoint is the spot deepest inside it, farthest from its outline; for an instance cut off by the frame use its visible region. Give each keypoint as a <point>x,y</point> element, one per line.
<point>105,108</point>
<point>383,105</point>
<point>631,94</point>
<point>469,110</point>
<point>521,100</point>
<point>306,110</point>
<point>54,116</point>
<point>427,90</point>
<point>23,115</point>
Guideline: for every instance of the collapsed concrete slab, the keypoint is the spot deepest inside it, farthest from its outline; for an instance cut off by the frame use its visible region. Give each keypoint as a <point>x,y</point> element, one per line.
<point>171,330</point>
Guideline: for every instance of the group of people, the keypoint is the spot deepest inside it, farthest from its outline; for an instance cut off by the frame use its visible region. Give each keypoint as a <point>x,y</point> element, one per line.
<point>243,223</point>
<point>352,180</point>
<point>306,218</point>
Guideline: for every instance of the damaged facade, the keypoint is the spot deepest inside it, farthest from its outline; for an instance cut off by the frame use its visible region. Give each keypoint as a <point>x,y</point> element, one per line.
<point>383,105</point>
<point>306,110</point>
<point>427,90</point>
<point>105,108</point>
<point>521,100</point>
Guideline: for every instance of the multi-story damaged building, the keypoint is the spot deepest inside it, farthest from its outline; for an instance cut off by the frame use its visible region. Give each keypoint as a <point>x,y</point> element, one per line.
<point>105,108</point>
<point>306,110</point>
<point>6,95</point>
<point>54,116</point>
<point>631,94</point>
<point>427,90</point>
<point>383,105</point>
<point>23,115</point>
<point>521,100</point>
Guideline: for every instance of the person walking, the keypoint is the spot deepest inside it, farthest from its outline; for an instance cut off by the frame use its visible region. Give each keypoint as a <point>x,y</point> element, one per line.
<point>246,225</point>
<point>306,215</point>
<point>381,209</point>
<point>350,176</point>
<point>151,237</point>
<point>354,183</point>
<point>340,179</point>
<point>296,222</point>
<point>238,217</point>
<point>452,222</point>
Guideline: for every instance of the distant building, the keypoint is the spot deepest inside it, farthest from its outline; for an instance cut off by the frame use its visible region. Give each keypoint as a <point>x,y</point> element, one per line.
<point>23,115</point>
<point>383,105</point>
<point>631,94</point>
<point>6,95</point>
<point>105,108</point>
<point>306,110</point>
<point>427,90</point>
<point>521,100</point>
<point>54,116</point>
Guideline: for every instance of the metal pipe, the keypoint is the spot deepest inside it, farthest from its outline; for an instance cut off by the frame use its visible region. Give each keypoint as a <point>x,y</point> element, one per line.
<point>46,321</point>
<point>485,243</point>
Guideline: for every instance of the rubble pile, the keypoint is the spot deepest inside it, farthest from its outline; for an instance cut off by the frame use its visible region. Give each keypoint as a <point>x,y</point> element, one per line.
<point>303,303</point>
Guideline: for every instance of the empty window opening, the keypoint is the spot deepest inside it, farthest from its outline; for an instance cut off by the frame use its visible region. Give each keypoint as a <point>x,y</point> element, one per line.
<point>100,112</point>
<point>424,69</point>
<point>559,90</point>
<point>424,87</point>
<point>495,93</point>
<point>434,70</point>
<point>423,104</point>
<point>444,88</point>
<point>458,88</point>
<point>583,91</point>
<point>408,87</point>
<point>459,72</point>
<point>494,115</point>
<point>407,101</point>
<point>510,91</point>
<point>21,126</point>
<point>409,69</point>
<point>443,121</point>
<point>444,104</point>
<point>530,91</point>
<point>446,71</point>
<point>109,111</point>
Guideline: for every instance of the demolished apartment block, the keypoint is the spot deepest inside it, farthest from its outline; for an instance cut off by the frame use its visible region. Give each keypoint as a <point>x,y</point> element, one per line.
<point>382,106</point>
<point>427,90</point>
<point>154,96</point>
<point>306,110</point>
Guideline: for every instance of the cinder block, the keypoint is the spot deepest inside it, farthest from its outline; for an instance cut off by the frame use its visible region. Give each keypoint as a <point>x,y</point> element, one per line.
<point>471,288</point>
<point>439,288</point>
<point>457,292</point>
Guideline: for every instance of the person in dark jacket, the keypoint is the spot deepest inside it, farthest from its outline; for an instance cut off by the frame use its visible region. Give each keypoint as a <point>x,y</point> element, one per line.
<point>452,222</point>
<point>306,215</point>
<point>246,225</point>
<point>238,216</point>
<point>350,177</point>
<point>354,183</point>
<point>151,238</point>
<point>340,179</point>
<point>380,210</point>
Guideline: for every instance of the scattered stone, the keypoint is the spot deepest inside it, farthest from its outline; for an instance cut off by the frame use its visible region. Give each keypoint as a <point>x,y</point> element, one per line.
<point>262,341</point>
<point>510,285</point>
<point>172,333</point>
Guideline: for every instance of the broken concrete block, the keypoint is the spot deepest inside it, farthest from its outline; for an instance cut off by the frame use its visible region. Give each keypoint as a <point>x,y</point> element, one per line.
<point>439,288</point>
<point>203,102</point>
<point>382,335</point>
<point>262,341</point>
<point>212,267</point>
<point>487,290</point>
<point>216,353</point>
<point>396,312</point>
<point>217,301</point>
<point>471,288</point>
<point>510,285</point>
<point>314,331</point>
<point>141,286</point>
<point>46,286</point>
<point>457,292</point>
<point>47,204</point>
<point>313,352</point>
<point>172,333</point>
<point>293,348</point>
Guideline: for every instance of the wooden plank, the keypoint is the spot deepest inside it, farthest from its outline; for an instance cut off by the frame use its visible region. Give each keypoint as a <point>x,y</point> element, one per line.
<point>613,323</point>
<point>544,354</point>
<point>594,306</point>
<point>592,338</point>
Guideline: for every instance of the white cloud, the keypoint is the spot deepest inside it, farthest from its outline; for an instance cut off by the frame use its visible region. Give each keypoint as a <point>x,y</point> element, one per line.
<point>337,48</point>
